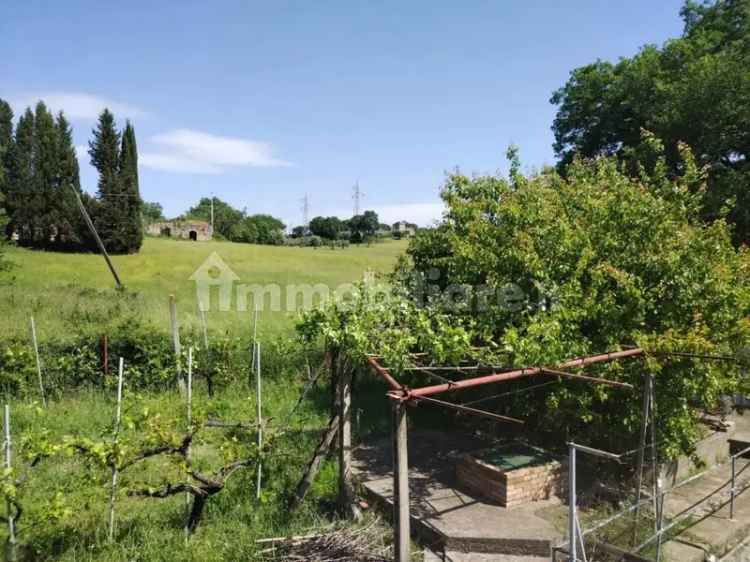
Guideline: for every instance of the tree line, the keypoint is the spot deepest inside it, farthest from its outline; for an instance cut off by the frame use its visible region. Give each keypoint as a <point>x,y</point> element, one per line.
<point>40,183</point>
<point>357,229</point>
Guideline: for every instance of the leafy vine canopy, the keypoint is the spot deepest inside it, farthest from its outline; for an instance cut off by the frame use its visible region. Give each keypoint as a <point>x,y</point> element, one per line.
<point>538,268</point>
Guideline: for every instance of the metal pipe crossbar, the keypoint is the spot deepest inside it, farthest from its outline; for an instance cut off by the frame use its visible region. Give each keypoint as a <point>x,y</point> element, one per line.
<point>519,373</point>
<point>466,409</point>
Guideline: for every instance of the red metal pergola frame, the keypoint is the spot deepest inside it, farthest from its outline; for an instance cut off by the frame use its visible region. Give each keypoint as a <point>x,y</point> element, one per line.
<point>401,392</point>
<point>401,395</point>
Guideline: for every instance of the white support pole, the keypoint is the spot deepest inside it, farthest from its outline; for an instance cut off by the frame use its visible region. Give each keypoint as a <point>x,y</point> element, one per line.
<point>654,454</point>
<point>189,416</point>
<point>401,520</point>
<point>259,414</point>
<point>255,341</point>
<point>659,526</point>
<point>204,326</point>
<point>581,544</point>
<point>645,415</point>
<point>8,466</point>
<point>38,362</point>
<point>115,436</point>
<point>176,342</point>
<point>572,528</point>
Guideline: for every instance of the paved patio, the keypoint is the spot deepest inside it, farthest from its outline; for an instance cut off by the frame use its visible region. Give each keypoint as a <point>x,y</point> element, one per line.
<point>447,518</point>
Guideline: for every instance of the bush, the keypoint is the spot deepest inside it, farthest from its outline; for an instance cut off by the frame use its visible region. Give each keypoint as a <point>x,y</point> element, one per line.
<point>149,361</point>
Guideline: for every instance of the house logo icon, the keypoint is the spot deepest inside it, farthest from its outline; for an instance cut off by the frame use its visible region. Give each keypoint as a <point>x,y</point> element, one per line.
<point>214,272</point>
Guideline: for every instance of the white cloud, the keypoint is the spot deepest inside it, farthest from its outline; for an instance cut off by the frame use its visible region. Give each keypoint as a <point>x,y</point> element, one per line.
<point>176,163</point>
<point>187,151</point>
<point>82,151</point>
<point>75,105</point>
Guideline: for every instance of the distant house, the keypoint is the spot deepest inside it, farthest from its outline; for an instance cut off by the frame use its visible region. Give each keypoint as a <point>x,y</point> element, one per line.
<point>401,229</point>
<point>195,230</point>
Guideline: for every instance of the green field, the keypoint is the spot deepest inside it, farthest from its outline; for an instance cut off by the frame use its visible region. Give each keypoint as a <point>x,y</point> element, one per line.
<point>72,298</point>
<point>68,292</point>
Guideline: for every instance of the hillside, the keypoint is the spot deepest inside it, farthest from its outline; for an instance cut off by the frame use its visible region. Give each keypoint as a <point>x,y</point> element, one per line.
<point>75,291</point>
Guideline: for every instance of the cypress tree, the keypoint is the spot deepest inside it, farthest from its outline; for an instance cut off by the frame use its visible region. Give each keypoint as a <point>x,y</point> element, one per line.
<point>45,187</point>
<point>6,140</point>
<point>71,228</point>
<point>19,203</point>
<point>132,222</point>
<point>104,150</point>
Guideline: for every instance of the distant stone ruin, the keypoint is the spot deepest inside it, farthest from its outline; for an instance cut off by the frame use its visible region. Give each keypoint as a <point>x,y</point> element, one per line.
<point>198,231</point>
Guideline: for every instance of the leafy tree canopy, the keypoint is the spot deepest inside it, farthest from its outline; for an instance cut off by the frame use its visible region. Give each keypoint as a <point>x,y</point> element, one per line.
<point>236,225</point>
<point>363,227</point>
<point>694,89</point>
<point>226,217</point>
<point>327,227</point>
<point>535,270</point>
<point>152,212</point>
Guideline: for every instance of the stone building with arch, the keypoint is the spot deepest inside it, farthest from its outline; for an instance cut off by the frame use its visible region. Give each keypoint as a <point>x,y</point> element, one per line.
<point>196,230</point>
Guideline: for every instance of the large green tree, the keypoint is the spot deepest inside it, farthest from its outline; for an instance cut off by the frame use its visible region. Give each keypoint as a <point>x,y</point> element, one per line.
<point>131,210</point>
<point>327,227</point>
<point>226,218</point>
<point>22,204</point>
<point>152,212</point>
<point>118,211</point>
<point>694,89</point>
<point>6,141</point>
<point>71,229</point>
<point>363,227</point>
<point>536,270</point>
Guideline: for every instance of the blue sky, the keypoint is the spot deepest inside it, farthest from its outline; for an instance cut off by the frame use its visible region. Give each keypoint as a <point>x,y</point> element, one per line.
<point>263,102</point>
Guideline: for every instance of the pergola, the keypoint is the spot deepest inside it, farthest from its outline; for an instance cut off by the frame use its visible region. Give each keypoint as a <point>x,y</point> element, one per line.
<point>402,396</point>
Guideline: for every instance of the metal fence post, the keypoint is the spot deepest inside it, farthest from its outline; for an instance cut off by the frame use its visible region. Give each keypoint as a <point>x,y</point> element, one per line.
<point>734,478</point>
<point>572,527</point>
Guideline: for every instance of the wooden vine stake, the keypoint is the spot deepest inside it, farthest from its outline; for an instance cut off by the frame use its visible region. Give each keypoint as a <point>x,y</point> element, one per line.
<point>176,342</point>
<point>8,466</point>
<point>38,362</point>
<point>115,437</point>
<point>347,498</point>
<point>189,415</point>
<point>259,414</point>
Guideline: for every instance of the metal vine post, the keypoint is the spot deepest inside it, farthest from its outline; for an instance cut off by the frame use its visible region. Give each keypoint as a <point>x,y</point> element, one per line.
<point>176,342</point>
<point>189,412</point>
<point>115,437</point>
<point>259,414</point>
<point>38,362</point>
<point>8,466</point>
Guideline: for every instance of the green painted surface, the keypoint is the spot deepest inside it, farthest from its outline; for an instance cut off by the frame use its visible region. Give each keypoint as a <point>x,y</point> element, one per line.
<point>513,456</point>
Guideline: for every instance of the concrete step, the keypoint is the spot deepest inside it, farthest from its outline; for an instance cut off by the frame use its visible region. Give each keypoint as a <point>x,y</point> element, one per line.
<point>740,554</point>
<point>455,556</point>
<point>739,442</point>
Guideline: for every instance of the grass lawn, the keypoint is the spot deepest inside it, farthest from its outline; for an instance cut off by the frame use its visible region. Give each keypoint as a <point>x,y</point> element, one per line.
<point>75,291</point>
<point>151,529</point>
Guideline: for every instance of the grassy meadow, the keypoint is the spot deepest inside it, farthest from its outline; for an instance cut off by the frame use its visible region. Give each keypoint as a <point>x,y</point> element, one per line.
<point>76,292</point>
<point>72,298</point>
